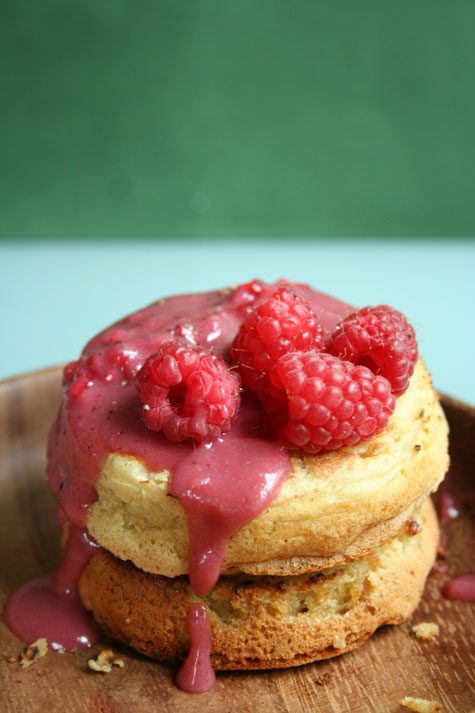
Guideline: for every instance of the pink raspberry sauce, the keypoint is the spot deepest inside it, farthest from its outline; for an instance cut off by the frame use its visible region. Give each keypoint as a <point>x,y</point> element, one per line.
<point>50,606</point>
<point>222,484</point>
<point>461,588</point>
<point>197,675</point>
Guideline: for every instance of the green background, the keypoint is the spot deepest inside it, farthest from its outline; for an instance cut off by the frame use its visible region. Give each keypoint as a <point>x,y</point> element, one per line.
<point>243,118</point>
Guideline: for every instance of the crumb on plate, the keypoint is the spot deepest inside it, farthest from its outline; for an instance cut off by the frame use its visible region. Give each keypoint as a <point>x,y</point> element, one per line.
<point>105,660</point>
<point>323,679</point>
<point>420,705</point>
<point>33,652</point>
<point>426,630</point>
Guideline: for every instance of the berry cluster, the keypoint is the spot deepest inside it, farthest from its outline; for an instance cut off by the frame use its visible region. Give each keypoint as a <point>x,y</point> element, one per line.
<point>323,399</point>
<point>317,396</point>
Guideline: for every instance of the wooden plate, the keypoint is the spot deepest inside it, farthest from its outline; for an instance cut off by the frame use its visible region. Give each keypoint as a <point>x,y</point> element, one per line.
<point>392,664</point>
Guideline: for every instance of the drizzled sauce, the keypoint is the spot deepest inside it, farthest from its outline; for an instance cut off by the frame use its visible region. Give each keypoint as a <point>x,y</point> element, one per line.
<point>222,485</point>
<point>49,606</point>
<point>197,675</point>
<point>461,587</point>
<point>447,512</point>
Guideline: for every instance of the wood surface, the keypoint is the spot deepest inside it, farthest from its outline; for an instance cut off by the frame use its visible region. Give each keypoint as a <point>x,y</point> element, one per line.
<point>392,664</point>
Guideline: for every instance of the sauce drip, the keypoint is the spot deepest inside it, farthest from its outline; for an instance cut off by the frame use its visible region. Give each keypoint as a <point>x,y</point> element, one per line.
<point>461,588</point>
<point>447,511</point>
<point>197,675</point>
<point>50,606</point>
<point>221,485</point>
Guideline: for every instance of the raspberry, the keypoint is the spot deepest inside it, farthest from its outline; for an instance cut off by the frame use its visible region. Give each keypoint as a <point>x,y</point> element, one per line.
<point>104,365</point>
<point>188,392</point>
<point>245,295</point>
<point>381,339</point>
<point>282,323</point>
<point>329,402</point>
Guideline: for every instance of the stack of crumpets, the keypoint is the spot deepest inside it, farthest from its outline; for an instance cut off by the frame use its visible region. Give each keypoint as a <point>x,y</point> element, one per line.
<point>259,459</point>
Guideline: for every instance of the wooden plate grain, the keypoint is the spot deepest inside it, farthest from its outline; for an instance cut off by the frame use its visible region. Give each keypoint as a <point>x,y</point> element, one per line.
<point>392,664</point>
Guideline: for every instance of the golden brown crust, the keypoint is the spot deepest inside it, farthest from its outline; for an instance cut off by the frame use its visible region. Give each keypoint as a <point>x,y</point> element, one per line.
<point>263,621</point>
<point>333,508</point>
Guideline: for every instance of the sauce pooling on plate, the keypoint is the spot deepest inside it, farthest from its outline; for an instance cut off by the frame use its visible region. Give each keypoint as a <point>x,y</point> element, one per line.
<point>461,588</point>
<point>50,607</point>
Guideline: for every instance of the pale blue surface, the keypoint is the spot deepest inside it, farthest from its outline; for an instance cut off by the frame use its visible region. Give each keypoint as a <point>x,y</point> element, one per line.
<point>55,296</point>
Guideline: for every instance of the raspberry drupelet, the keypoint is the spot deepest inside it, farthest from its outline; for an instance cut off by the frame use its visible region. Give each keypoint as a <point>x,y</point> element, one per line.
<point>381,339</point>
<point>328,403</point>
<point>188,392</point>
<point>281,324</point>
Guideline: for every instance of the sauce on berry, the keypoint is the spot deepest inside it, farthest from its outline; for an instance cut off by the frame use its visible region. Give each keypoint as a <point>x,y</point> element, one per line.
<point>222,484</point>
